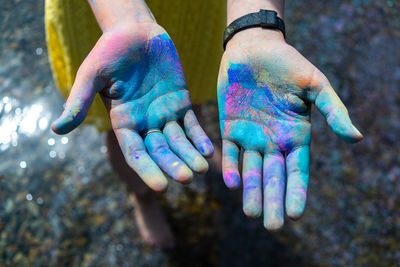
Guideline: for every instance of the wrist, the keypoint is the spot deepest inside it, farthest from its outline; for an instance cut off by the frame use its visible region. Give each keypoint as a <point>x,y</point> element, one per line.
<point>133,26</point>
<point>128,22</point>
<point>256,36</point>
<point>239,8</point>
<point>136,30</point>
<point>112,14</point>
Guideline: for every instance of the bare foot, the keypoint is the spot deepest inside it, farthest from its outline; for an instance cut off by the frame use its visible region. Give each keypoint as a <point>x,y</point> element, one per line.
<point>151,221</point>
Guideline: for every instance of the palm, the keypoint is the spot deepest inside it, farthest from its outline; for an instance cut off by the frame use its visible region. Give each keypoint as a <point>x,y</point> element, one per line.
<point>141,81</point>
<point>264,104</point>
<point>147,84</point>
<point>277,120</point>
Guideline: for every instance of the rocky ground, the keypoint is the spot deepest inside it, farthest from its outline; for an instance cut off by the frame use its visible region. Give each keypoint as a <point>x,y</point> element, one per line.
<point>61,204</point>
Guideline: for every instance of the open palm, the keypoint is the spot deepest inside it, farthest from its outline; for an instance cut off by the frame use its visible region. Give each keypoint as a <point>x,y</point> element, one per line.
<point>265,93</point>
<point>140,78</point>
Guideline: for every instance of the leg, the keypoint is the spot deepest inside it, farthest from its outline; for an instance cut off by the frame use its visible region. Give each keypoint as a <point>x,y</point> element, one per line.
<point>151,221</point>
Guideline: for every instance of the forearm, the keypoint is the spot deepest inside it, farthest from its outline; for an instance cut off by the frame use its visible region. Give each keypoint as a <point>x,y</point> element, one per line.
<point>110,14</point>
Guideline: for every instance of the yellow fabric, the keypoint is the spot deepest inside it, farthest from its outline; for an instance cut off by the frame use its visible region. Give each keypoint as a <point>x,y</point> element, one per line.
<point>195,26</point>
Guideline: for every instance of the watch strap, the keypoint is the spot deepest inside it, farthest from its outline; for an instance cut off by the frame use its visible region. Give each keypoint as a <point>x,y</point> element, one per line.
<point>263,18</point>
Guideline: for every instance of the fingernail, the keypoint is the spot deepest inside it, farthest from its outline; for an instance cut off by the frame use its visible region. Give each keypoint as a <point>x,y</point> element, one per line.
<point>295,210</point>
<point>184,175</point>
<point>200,165</point>
<point>207,149</point>
<point>252,210</point>
<point>232,180</point>
<point>273,224</point>
<point>358,133</point>
<point>55,126</point>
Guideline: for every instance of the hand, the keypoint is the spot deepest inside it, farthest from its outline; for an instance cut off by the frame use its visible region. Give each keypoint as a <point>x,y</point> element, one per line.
<point>265,92</point>
<point>138,74</point>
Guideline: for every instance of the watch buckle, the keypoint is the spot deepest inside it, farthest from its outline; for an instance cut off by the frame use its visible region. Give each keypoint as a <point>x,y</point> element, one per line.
<point>268,18</point>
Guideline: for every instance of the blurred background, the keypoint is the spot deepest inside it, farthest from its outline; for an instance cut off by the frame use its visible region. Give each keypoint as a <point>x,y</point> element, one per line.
<point>61,204</point>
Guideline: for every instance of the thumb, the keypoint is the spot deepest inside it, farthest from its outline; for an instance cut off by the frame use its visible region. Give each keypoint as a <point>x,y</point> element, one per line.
<point>81,97</point>
<point>335,112</point>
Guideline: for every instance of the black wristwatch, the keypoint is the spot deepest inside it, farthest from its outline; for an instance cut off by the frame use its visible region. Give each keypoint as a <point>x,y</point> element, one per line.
<point>264,18</point>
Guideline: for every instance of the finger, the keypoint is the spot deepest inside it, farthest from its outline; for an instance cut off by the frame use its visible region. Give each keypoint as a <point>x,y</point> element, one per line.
<point>274,190</point>
<point>197,134</point>
<point>336,114</point>
<point>80,99</point>
<point>297,166</point>
<point>230,160</point>
<point>179,144</point>
<point>159,151</point>
<point>252,162</point>
<point>135,154</point>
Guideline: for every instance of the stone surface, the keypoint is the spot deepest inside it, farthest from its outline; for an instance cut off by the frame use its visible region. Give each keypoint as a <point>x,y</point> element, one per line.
<point>61,204</point>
